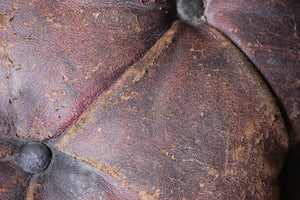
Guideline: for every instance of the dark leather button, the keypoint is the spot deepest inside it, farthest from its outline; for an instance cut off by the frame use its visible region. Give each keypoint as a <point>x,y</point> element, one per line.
<point>35,157</point>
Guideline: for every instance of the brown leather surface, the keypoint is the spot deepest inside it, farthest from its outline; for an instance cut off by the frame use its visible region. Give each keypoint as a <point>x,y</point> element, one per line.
<point>188,121</point>
<point>13,181</point>
<point>268,33</point>
<point>57,57</point>
<point>134,109</point>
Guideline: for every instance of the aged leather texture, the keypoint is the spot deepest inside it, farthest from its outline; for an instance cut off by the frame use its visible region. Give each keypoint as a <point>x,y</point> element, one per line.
<point>135,103</point>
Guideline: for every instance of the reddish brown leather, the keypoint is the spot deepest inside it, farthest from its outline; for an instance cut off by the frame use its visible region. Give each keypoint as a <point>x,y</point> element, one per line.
<point>268,33</point>
<point>59,56</point>
<point>131,107</point>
